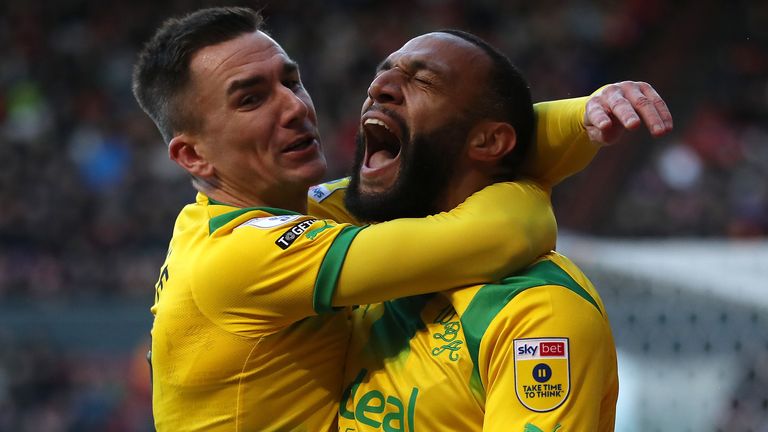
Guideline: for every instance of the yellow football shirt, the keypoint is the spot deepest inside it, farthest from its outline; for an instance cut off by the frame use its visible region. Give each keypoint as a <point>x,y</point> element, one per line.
<point>533,352</point>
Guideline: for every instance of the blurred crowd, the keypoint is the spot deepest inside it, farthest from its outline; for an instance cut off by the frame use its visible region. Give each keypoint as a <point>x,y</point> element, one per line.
<point>45,388</point>
<point>89,196</point>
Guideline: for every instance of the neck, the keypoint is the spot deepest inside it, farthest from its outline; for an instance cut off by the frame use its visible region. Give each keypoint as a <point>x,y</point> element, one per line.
<point>287,200</point>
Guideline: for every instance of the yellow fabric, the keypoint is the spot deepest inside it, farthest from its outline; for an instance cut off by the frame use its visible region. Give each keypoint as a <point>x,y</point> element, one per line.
<point>326,201</point>
<point>230,342</point>
<point>496,231</point>
<point>409,366</point>
<point>562,147</point>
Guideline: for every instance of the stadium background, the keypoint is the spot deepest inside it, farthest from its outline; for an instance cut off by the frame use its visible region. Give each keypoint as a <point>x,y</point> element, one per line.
<point>671,231</point>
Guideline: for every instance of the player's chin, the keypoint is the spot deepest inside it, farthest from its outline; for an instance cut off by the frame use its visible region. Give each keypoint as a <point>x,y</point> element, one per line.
<point>310,172</point>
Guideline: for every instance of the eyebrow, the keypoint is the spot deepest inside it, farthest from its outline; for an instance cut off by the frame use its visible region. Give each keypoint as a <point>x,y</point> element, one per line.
<point>245,83</point>
<point>385,65</point>
<point>289,67</point>
<point>413,66</point>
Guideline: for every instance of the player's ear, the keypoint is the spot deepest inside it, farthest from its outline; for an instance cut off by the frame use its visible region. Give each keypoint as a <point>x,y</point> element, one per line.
<point>184,149</point>
<point>490,141</point>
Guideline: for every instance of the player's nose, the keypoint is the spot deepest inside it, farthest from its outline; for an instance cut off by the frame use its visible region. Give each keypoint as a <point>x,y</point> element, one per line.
<point>387,87</point>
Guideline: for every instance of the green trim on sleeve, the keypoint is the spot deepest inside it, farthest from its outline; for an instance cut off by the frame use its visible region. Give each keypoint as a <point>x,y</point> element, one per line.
<point>492,298</point>
<point>219,221</point>
<point>330,269</point>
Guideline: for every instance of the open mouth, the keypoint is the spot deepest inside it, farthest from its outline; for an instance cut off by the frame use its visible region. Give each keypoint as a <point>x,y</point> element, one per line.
<point>382,144</point>
<point>300,145</point>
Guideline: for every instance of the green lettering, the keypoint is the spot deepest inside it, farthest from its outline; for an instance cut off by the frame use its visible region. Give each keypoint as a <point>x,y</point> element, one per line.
<point>349,393</point>
<point>365,405</point>
<point>396,415</point>
<point>412,409</point>
<point>531,428</point>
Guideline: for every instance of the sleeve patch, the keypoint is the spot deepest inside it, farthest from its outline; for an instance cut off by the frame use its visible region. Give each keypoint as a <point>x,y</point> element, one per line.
<point>322,191</point>
<point>290,236</point>
<point>542,372</point>
<point>270,222</point>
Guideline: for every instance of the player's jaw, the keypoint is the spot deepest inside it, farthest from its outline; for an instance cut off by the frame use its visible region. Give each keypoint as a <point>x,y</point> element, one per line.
<point>424,168</point>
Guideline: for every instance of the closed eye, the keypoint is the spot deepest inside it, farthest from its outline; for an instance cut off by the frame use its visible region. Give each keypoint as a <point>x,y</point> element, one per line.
<point>426,78</point>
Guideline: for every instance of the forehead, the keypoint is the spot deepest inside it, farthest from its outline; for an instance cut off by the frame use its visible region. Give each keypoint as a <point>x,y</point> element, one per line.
<point>250,51</point>
<point>444,52</point>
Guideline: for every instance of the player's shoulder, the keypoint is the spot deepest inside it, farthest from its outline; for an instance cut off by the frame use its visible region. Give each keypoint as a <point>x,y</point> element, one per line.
<point>254,220</point>
<point>538,288</point>
<point>262,232</point>
<point>319,193</point>
<point>255,246</point>
<point>523,189</point>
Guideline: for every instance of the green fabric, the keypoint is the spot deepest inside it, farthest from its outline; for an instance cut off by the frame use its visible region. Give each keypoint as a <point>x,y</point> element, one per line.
<point>330,269</point>
<point>223,219</point>
<point>531,428</point>
<point>391,334</point>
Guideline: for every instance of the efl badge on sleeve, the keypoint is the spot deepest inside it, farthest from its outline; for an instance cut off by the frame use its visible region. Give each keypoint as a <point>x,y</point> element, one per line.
<point>269,222</point>
<point>323,191</point>
<point>542,373</point>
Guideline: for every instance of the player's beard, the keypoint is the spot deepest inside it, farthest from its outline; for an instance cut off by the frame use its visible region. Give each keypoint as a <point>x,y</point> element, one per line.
<point>427,164</point>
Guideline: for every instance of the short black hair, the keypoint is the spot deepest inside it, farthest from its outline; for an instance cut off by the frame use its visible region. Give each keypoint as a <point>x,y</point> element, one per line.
<point>506,98</point>
<point>161,73</point>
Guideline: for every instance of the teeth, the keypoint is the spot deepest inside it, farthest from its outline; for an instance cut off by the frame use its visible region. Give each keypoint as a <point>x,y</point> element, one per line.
<point>377,122</point>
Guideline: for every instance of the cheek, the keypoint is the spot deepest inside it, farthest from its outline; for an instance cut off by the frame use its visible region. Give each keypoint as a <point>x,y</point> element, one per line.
<point>252,133</point>
<point>433,115</point>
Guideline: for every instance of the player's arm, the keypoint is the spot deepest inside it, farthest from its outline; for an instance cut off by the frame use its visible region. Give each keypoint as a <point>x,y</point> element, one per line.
<point>270,272</point>
<point>525,393</point>
<point>570,131</point>
<point>496,231</point>
<point>562,146</point>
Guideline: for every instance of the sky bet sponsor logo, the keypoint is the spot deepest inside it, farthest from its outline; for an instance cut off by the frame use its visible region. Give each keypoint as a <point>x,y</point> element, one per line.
<point>542,349</point>
<point>542,372</point>
<point>292,234</point>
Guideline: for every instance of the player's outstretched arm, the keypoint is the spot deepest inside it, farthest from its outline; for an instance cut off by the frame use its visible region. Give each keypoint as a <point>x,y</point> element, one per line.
<point>570,131</point>
<point>272,270</point>
<point>495,232</point>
